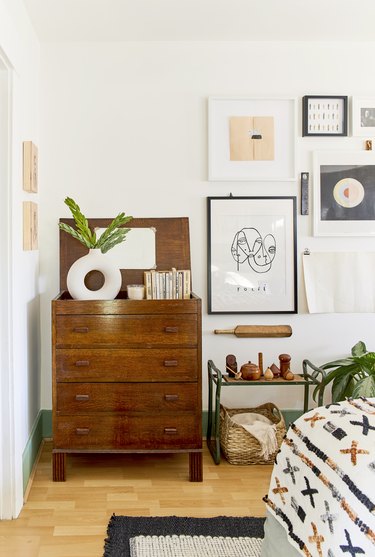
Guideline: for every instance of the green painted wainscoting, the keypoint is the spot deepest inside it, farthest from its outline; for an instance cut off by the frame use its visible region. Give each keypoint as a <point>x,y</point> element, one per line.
<point>43,430</point>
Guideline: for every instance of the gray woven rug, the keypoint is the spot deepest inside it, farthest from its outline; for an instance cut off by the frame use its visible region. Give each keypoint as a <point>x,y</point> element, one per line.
<point>172,536</point>
<point>194,546</point>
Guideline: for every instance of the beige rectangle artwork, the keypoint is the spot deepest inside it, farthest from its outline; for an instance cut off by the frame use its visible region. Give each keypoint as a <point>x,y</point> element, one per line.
<point>251,138</point>
<point>30,167</point>
<point>30,225</point>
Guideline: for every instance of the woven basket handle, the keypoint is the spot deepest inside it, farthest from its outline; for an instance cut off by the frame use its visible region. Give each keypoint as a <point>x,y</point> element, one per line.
<point>275,410</point>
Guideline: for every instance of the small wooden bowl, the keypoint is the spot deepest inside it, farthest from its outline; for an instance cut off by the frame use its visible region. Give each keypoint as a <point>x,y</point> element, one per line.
<point>250,372</point>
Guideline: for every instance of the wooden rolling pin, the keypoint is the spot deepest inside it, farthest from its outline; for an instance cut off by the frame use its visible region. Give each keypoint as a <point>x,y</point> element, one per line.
<point>253,331</point>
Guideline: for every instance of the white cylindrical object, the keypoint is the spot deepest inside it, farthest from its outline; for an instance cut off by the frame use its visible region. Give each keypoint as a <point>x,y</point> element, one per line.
<point>95,260</point>
<point>136,291</point>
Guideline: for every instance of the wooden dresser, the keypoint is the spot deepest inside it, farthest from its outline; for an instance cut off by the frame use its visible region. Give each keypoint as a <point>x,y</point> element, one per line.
<point>127,373</point>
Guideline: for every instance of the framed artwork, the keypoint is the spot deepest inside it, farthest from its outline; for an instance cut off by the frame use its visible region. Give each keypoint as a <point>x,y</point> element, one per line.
<point>30,167</point>
<point>252,255</point>
<point>363,116</point>
<point>324,115</point>
<point>251,139</point>
<point>344,193</point>
<point>30,226</point>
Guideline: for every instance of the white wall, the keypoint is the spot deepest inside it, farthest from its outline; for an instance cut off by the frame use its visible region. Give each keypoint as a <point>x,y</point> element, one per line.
<point>124,127</point>
<point>20,49</point>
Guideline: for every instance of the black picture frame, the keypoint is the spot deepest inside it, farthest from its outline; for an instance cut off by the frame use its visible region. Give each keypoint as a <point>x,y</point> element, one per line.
<point>325,115</point>
<point>252,254</point>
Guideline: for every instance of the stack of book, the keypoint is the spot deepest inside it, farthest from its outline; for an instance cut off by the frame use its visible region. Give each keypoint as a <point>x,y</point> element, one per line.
<point>167,285</point>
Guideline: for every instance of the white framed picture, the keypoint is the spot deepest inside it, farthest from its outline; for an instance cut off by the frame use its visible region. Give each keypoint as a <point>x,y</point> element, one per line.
<point>344,193</point>
<point>363,116</point>
<point>251,139</point>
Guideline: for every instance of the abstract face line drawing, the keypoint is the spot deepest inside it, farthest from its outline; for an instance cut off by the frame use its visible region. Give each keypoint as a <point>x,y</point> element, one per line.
<point>248,246</point>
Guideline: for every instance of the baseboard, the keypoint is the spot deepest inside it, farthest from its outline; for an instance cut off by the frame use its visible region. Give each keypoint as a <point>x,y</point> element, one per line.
<point>28,482</point>
<point>43,430</point>
<point>31,450</point>
<point>47,423</point>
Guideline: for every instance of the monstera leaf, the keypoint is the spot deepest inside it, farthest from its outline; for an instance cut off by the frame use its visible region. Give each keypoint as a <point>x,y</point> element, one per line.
<point>351,377</point>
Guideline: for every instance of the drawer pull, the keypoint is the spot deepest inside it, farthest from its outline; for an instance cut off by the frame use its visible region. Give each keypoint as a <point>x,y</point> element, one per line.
<point>81,329</point>
<point>82,363</point>
<point>82,430</point>
<point>171,329</point>
<point>170,363</point>
<point>82,397</point>
<point>171,397</point>
<point>170,430</point>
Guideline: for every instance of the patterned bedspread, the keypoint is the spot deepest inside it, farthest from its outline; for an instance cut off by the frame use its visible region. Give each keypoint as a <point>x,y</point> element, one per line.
<point>322,488</point>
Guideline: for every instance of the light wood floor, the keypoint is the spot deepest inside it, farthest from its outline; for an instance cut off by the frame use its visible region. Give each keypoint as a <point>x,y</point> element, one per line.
<point>69,519</point>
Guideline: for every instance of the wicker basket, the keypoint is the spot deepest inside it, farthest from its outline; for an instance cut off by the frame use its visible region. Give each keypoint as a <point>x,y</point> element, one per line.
<point>238,445</point>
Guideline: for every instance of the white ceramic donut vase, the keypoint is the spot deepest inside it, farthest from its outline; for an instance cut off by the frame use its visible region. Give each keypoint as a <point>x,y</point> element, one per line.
<point>95,260</point>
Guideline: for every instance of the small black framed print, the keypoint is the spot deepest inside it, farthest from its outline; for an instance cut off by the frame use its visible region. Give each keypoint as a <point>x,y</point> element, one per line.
<point>324,115</point>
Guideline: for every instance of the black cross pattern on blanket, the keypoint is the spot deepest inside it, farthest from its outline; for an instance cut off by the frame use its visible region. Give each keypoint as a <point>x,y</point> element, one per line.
<point>291,470</point>
<point>350,548</point>
<point>328,517</point>
<point>309,491</point>
<point>365,425</point>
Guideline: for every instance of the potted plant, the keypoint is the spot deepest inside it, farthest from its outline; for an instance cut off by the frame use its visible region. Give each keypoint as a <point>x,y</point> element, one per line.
<point>351,377</point>
<point>112,235</point>
<point>96,258</point>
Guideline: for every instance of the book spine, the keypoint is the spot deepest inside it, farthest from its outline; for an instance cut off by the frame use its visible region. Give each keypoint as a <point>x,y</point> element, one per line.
<point>163,285</point>
<point>148,287</point>
<point>153,284</point>
<point>169,285</point>
<point>180,285</point>
<point>158,290</point>
<point>174,284</point>
<point>186,282</point>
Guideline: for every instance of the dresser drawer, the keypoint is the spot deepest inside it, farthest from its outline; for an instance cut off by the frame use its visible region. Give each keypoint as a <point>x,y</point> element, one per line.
<point>149,432</point>
<point>129,365</point>
<point>131,330</point>
<point>81,398</point>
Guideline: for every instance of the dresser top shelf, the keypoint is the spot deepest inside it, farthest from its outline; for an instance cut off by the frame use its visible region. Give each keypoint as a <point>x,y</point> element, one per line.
<point>172,248</point>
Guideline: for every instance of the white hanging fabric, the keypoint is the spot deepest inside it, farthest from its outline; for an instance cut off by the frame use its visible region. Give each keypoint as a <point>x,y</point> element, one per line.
<point>340,282</point>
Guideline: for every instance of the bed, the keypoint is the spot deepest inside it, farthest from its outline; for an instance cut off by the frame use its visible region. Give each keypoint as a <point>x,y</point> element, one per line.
<point>321,499</point>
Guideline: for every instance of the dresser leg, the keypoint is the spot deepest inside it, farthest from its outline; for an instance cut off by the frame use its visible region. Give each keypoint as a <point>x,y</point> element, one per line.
<point>195,467</point>
<point>58,467</point>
